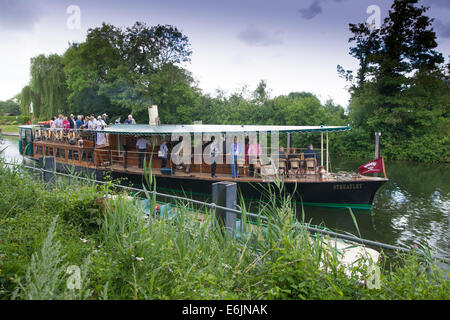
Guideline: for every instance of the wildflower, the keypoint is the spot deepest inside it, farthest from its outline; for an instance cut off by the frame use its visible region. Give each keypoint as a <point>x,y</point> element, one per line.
<point>139,259</point>
<point>84,240</point>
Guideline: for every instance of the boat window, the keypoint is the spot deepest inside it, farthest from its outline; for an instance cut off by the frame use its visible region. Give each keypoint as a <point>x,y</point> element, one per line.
<point>39,150</point>
<point>75,155</point>
<point>69,154</point>
<point>48,151</point>
<point>28,135</point>
<point>89,157</point>
<point>61,153</point>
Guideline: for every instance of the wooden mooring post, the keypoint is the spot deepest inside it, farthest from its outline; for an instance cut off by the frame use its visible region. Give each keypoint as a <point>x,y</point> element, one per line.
<point>48,164</point>
<point>224,194</point>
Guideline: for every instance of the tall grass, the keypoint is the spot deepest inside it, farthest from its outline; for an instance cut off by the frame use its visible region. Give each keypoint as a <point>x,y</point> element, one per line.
<point>125,252</point>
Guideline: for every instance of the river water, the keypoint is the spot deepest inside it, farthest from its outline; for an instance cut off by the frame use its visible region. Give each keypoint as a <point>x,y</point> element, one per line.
<point>412,207</point>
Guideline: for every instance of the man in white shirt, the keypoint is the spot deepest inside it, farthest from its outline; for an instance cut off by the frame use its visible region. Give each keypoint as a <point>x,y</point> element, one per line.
<point>59,121</point>
<point>101,137</point>
<point>92,123</point>
<point>141,146</point>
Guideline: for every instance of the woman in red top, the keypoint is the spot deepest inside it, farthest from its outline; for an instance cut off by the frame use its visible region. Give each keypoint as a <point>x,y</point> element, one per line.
<point>66,125</point>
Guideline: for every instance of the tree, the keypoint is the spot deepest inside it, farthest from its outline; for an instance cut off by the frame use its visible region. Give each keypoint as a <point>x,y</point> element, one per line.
<point>49,91</point>
<point>10,106</point>
<point>396,65</point>
<point>122,68</point>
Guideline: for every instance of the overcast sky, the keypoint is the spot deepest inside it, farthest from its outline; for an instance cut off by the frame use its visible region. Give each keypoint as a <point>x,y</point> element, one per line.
<point>292,45</point>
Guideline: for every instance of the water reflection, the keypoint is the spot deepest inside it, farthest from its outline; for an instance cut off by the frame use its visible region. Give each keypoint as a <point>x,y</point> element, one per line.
<point>11,152</point>
<point>413,206</point>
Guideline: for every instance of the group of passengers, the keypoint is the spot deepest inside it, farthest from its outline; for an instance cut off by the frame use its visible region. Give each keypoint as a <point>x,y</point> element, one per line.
<point>250,150</point>
<point>81,123</point>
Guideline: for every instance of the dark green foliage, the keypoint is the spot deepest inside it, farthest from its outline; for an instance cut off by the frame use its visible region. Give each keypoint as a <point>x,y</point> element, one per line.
<point>11,107</point>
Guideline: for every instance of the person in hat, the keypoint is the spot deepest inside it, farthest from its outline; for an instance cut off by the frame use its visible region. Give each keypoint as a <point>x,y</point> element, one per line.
<point>130,120</point>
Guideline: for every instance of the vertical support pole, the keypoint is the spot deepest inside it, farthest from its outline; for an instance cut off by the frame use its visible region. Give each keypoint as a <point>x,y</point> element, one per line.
<point>125,159</point>
<point>377,144</point>
<point>224,194</point>
<point>328,154</point>
<point>321,149</point>
<point>288,143</point>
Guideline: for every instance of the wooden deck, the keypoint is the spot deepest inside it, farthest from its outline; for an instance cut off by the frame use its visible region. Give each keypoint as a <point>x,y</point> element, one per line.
<point>242,178</point>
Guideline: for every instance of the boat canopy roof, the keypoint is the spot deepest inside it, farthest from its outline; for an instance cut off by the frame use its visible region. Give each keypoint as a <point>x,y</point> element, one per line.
<point>29,126</point>
<point>166,129</point>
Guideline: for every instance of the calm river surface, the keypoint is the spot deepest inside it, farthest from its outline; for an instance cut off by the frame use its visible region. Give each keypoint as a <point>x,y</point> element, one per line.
<point>414,206</point>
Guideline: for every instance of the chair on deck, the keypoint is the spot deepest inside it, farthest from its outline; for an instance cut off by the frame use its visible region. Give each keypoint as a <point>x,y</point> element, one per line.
<point>295,166</point>
<point>282,167</point>
<point>310,166</point>
<point>256,166</point>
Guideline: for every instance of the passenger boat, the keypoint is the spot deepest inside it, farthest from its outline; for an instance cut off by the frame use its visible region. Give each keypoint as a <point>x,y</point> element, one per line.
<point>308,181</point>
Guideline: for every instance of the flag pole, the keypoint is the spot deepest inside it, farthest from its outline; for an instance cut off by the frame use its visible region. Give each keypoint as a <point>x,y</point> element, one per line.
<point>384,168</point>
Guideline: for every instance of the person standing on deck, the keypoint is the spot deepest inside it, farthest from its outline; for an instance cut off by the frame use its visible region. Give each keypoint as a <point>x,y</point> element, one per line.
<point>59,122</point>
<point>53,124</point>
<point>163,153</point>
<point>214,150</point>
<point>72,122</point>
<point>236,151</point>
<point>101,138</point>
<point>79,122</point>
<point>66,125</point>
<point>141,146</point>
<point>92,123</point>
<point>130,120</point>
<point>254,151</point>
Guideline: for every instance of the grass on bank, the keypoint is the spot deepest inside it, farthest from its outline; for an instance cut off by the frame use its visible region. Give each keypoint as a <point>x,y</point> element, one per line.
<point>9,128</point>
<point>122,254</point>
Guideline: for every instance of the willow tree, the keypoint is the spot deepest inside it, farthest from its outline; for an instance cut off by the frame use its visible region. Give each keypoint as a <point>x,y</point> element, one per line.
<point>25,99</point>
<point>48,86</point>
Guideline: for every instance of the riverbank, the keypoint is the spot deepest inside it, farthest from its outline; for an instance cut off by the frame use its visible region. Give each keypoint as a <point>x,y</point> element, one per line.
<point>10,130</point>
<point>10,134</point>
<point>121,255</point>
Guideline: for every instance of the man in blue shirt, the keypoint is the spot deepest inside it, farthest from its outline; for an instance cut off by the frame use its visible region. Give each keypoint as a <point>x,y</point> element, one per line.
<point>236,151</point>
<point>310,153</point>
<point>79,122</point>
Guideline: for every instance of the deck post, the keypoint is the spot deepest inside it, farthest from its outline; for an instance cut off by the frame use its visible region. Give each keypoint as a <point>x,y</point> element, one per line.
<point>224,194</point>
<point>288,142</point>
<point>321,149</point>
<point>328,154</point>
<point>48,164</point>
<point>377,144</point>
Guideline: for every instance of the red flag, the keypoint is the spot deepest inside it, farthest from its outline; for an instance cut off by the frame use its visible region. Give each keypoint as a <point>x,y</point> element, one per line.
<point>372,167</point>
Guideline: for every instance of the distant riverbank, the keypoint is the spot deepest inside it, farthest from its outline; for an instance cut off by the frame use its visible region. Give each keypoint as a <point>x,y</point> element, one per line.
<point>10,130</point>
